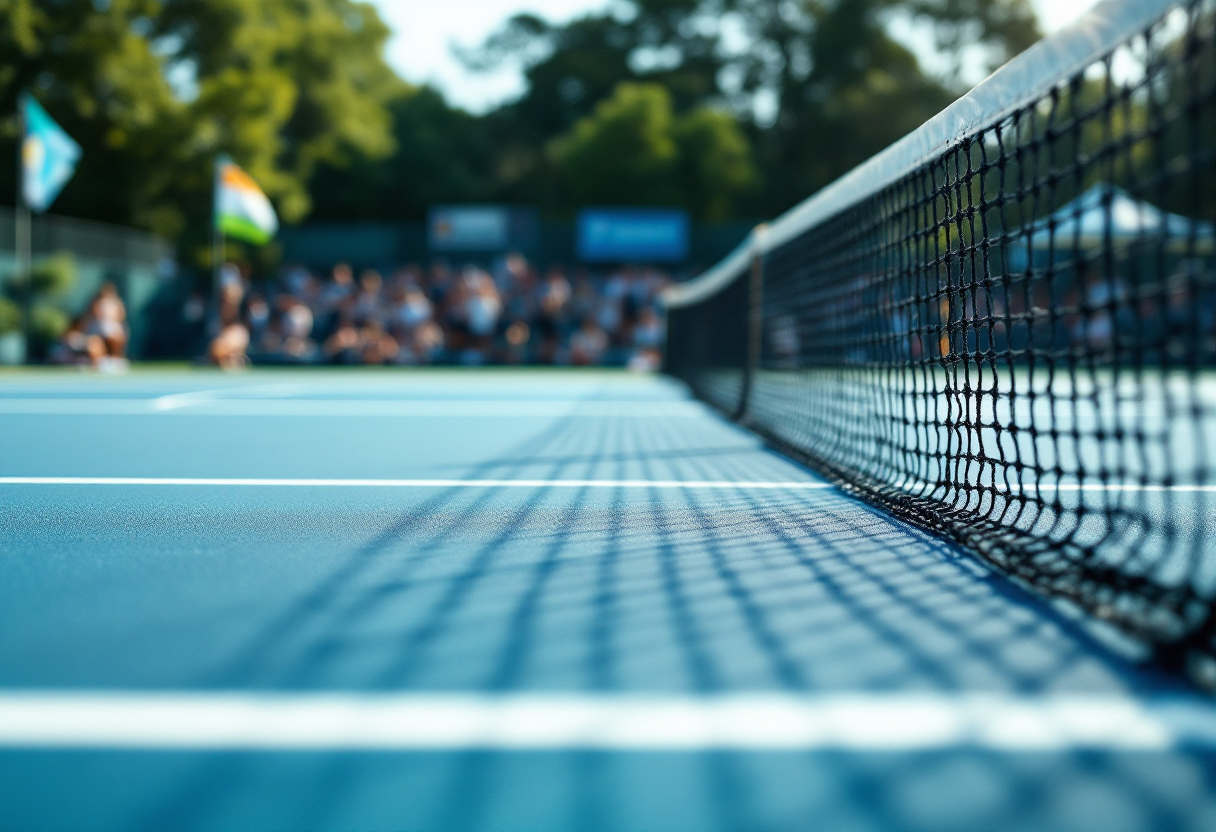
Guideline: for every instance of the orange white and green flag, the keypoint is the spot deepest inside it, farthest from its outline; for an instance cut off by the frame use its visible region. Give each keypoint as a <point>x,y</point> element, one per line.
<point>241,209</point>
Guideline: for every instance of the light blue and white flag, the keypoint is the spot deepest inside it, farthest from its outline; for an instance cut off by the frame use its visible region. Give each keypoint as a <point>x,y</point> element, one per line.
<point>48,156</point>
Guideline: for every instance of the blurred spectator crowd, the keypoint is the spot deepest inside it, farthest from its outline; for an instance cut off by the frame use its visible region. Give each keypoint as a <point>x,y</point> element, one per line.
<point>97,336</point>
<point>509,314</point>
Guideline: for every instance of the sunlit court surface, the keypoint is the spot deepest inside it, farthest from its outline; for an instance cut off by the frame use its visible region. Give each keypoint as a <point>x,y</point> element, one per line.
<point>775,416</point>
<point>522,600</point>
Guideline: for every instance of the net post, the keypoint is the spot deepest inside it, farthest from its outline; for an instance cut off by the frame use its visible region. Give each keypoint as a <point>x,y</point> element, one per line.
<point>755,322</point>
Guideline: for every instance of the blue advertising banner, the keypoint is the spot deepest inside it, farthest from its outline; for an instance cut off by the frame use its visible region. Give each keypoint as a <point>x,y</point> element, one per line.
<point>632,235</point>
<point>484,228</point>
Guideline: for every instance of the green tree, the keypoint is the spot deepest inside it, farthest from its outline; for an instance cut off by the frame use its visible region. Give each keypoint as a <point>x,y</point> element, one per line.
<point>443,154</point>
<point>624,153</point>
<point>634,151</point>
<point>822,84</point>
<point>283,85</point>
<point>571,67</point>
<point>154,90</point>
<point>717,171</point>
<point>568,68</point>
<point>93,66</point>
<point>844,87</point>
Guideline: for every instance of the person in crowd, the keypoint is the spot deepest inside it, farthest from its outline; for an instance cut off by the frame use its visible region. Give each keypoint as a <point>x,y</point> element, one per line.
<point>439,282</point>
<point>229,344</point>
<point>555,294</point>
<point>98,336</point>
<point>648,331</point>
<point>296,325</point>
<point>344,345</point>
<point>428,342</point>
<point>341,284</point>
<point>311,294</point>
<point>369,303</point>
<point>339,289</point>
<point>517,336</point>
<point>470,316</point>
<point>408,275</point>
<point>482,308</point>
<point>295,278</point>
<point>76,346</point>
<point>229,348</point>
<point>647,338</point>
<point>588,343</point>
<point>585,297</point>
<point>257,314</point>
<point>377,346</point>
<point>231,294</point>
<point>109,320</point>
<point>411,308</point>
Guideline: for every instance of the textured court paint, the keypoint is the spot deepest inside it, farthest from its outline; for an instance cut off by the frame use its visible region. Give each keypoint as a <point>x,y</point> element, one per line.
<point>794,485</point>
<point>378,483</point>
<point>411,722</point>
<point>674,594</point>
<point>191,405</point>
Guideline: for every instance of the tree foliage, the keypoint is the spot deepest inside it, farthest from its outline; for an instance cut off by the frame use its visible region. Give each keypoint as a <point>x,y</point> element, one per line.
<point>634,151</point>
<point>154,90</point>
<point>283,85</point>
<point>443,154</point>
<point>843,87</point>
<point>820,84</point>
<point>94,67</point>
<point>728,107</point>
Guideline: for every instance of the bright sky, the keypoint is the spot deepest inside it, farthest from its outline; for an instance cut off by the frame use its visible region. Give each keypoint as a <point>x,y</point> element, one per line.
<point>426,29</point>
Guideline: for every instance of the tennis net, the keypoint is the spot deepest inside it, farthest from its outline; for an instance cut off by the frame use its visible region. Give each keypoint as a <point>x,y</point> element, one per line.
<point>1003,327</point>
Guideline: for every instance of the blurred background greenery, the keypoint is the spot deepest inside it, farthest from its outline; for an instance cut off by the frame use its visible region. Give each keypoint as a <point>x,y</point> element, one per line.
<point>729,108</point>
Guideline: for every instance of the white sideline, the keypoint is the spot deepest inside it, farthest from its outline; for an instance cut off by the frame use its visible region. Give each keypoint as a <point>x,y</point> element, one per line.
<point>416,483</point>
<point>202,404</point>
<point>622,722</point>
<point>797,485</point>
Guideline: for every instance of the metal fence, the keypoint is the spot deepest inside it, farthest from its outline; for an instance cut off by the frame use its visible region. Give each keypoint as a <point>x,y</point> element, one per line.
<point>137,262</point>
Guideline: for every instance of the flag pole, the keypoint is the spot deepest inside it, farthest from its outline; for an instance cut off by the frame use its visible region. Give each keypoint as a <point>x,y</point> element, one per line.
<point>21,229</point>
<point>217,236</point>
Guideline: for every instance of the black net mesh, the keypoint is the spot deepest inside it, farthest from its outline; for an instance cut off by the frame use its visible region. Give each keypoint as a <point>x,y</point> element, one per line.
<point>707,346</point>
<point>1014,344</point>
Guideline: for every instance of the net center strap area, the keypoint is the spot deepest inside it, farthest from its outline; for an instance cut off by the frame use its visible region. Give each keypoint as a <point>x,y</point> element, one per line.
<point>1006,332</point>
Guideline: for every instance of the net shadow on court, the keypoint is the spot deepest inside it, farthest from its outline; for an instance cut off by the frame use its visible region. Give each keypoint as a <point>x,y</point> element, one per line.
<point>800,592</point>
<point>1002,328</point>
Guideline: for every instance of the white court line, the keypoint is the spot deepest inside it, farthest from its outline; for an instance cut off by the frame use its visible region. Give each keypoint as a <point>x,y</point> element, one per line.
<point>173,401</point>
<point>414,483</point>
<point>527,483</point>
<point>189,404</point>
<point>420,722</point>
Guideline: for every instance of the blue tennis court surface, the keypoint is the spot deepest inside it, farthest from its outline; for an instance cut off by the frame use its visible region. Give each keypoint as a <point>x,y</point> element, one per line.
<point>521,601</point>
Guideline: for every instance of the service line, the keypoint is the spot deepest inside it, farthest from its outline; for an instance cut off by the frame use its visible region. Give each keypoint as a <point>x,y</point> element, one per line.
<point>207,404</point>
<point>866,722</point>
<point>796,485</point>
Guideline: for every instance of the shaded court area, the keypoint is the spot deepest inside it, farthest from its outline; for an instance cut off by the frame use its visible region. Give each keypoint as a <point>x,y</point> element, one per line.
<point>522,600</point>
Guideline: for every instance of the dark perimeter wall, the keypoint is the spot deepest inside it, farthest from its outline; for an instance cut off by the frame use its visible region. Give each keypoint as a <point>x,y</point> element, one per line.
<point>386,245</point>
